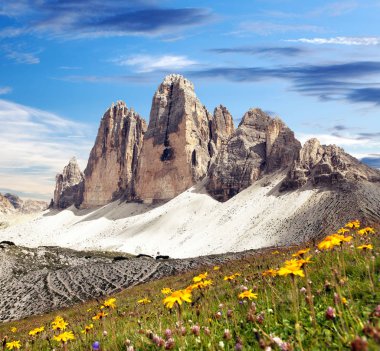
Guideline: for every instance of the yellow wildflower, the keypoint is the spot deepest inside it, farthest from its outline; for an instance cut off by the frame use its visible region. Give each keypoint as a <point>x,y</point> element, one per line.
<point>231,277</point>
<point>110,303</point>
<point>87,328</point>
<point>200,277</point>
<point>59,323</point>
<point>329,242</point>
<point>201,285</point>
<point>166,291</point>
<point>292,267</point>
<point>270,273</point>
<point>36,331</point>
<point>300,253</point>
<point>13,345</point>
<point>365,247</point>
<point>144,301</point>
<point>344,301</point>
<point>64,337</point>
<point>178,297</point>
<point>248,294</point>
<point>275,252</point>
<point>303,261</point>
<point>366,230</point>
<point>216,268</point>
<point>99,316</point>
<point>13,329</point>
<point>343,231</point>
<point>353,224</point>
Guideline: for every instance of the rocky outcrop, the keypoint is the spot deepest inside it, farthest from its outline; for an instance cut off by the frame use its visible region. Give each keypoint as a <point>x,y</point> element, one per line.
<point>221,127</point>
<point>326,165</point>
<point>112,165</point>
<point>12,204</point>
<point>261,144</point>
<point>69,186</point>
<point>176,149</point>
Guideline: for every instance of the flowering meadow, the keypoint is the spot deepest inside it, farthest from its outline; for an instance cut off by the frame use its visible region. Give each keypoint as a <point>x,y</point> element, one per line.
<point>317,297</point>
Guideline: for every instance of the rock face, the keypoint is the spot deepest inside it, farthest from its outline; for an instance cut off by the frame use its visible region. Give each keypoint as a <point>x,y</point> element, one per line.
<point>69,186</point>
<point>259,145</point>
<point>221,127</point>
<point>112,165</point>
<point>176,149</point>
<point>326,165</point>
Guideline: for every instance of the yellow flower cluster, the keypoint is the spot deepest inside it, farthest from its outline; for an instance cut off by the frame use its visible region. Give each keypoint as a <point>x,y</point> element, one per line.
<point>231,277</point>
<point>333,240</point>
<point>64,337</point>
<point>200,277</point>
<point>294,267</point>
<point>59,323</point>
<point>353,224</point>
<point>366,230</point>
<point>36,331</point>
<point>177,297</point>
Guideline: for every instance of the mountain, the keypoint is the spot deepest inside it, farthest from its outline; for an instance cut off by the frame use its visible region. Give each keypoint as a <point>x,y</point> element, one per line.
<point>190,184</point>
<point>12,204</point>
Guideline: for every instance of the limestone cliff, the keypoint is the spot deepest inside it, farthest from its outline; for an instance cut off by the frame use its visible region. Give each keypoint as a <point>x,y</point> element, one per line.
<point>221,127</point>
<point>175,153</point>
<point>69,186</point>
<point>261,144</point>
<point>112,164</point>
<point>326,165</point>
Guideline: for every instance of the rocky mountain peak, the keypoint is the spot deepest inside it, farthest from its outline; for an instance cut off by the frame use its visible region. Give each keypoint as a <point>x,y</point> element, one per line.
<point>175,153</point>
<point>69,186</point>
<point>112,164</point>
<point>326,165</point>
<point>260,145</point>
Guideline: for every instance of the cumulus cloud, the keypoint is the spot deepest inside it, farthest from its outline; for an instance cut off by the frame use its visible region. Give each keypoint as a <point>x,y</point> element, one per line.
<point>35,145</point>
<point>366,41</point>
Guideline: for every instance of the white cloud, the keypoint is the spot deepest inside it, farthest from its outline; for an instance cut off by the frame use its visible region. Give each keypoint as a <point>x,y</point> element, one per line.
<point>5,90</point>
<point>149,63</point>
<point>367,41</point>
<point>35,145</point>
<point>29,58</point>
<point>267,28</point>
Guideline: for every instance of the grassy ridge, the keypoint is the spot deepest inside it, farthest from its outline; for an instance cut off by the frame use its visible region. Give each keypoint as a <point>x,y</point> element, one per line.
<point>332,303</point>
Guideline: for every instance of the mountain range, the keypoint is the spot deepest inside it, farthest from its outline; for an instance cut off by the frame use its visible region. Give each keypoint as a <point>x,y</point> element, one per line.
<point>189,183</point>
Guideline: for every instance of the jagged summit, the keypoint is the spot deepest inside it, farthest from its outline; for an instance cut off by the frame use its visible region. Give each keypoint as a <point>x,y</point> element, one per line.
<point>184,143</point>
<point>69,186</point>
<point>112,164</point>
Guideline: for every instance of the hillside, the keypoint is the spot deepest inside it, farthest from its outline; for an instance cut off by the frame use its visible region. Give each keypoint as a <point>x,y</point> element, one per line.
<point>194,224</point>
<point>326,298</point>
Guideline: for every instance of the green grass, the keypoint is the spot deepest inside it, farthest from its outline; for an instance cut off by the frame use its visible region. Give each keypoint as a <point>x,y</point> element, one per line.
<point>282,311</point>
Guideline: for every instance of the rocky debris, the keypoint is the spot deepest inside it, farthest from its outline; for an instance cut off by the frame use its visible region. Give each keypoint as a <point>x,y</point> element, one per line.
<point>175,153</point>
<point>112,165</point>
<point>12,204</point>
<point>37,281</point>
<point>221,127</point>
<point>69,186</point>
<point>326,165</point>
<point>260,145</point>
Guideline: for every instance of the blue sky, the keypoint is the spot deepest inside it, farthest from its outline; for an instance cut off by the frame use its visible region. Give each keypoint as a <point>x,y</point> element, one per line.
<point>62,63</point>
